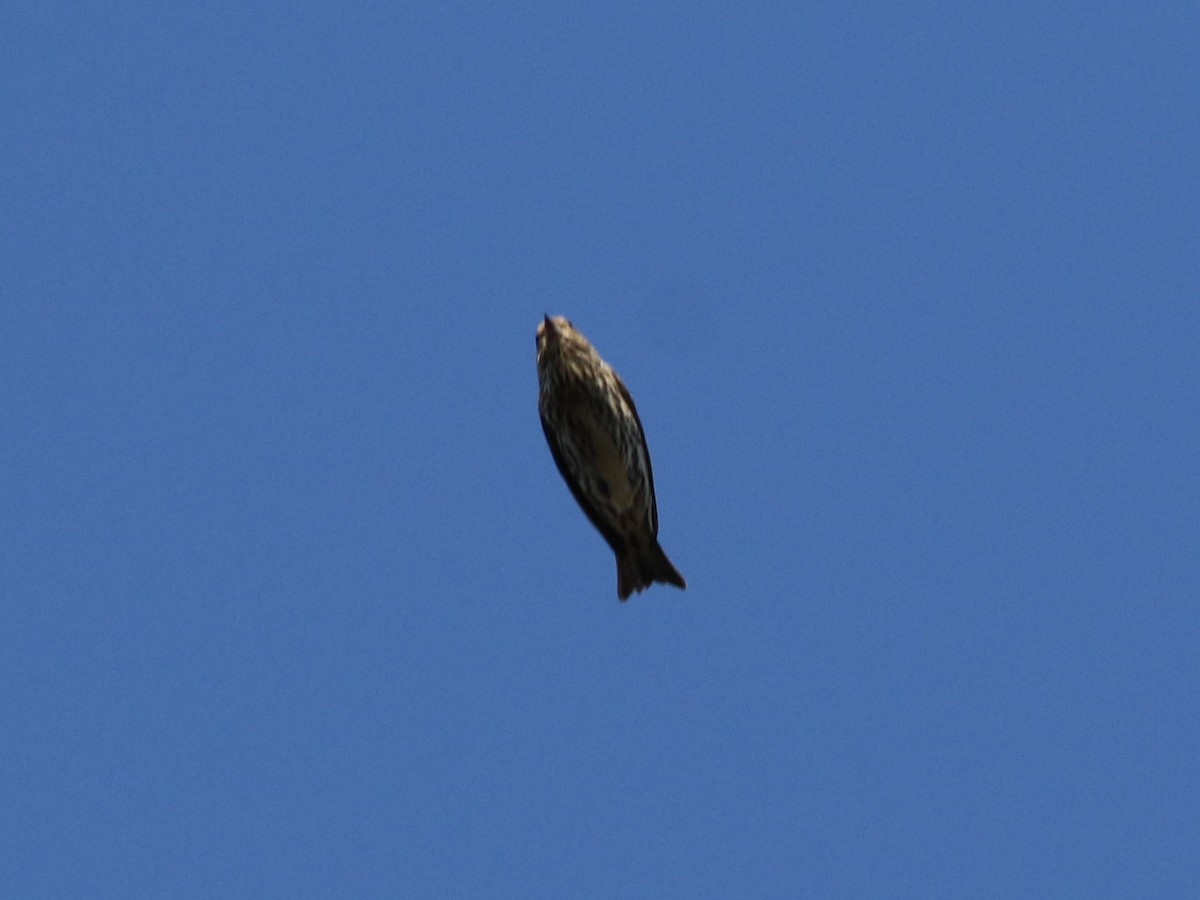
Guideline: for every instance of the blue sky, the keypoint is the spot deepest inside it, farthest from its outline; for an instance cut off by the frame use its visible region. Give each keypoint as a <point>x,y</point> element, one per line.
<point>296,603</point>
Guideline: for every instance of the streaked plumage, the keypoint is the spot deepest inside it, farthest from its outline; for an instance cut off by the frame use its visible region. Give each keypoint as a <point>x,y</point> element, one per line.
<point>599,446</point>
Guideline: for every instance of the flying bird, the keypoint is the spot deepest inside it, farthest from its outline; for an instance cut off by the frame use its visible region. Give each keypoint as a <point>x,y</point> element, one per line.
<point>599,446</point>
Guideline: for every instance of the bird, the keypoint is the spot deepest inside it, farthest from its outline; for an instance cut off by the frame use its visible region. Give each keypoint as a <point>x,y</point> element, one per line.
<point>599,446</point>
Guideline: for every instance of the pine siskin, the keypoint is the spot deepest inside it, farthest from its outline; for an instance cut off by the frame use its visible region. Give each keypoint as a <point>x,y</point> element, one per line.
<point>598,444</point>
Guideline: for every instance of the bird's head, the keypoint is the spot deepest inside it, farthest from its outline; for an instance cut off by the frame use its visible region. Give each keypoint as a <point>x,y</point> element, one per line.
<point>558,343</point>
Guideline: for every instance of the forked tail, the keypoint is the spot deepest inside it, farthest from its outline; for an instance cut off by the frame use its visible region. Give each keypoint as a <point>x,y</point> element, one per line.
<point>638,568</point>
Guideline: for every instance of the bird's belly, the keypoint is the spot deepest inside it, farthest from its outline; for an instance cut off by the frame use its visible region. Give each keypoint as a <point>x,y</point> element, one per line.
<point>611,468</point>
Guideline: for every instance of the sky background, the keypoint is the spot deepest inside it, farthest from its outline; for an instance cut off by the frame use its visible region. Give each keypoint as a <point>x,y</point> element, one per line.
<point>295,603</point>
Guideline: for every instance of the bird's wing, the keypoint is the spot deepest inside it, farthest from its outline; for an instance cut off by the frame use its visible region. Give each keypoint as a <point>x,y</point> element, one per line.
<point>645,454</point>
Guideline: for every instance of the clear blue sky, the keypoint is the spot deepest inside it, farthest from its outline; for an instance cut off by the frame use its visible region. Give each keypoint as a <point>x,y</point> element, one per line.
<point>295,603</point>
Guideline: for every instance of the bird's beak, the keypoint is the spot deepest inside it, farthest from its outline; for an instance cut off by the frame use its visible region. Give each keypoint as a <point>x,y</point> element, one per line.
<point>548,328</point>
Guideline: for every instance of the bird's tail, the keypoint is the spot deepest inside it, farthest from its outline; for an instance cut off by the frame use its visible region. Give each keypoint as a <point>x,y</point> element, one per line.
<point>638,568</point>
